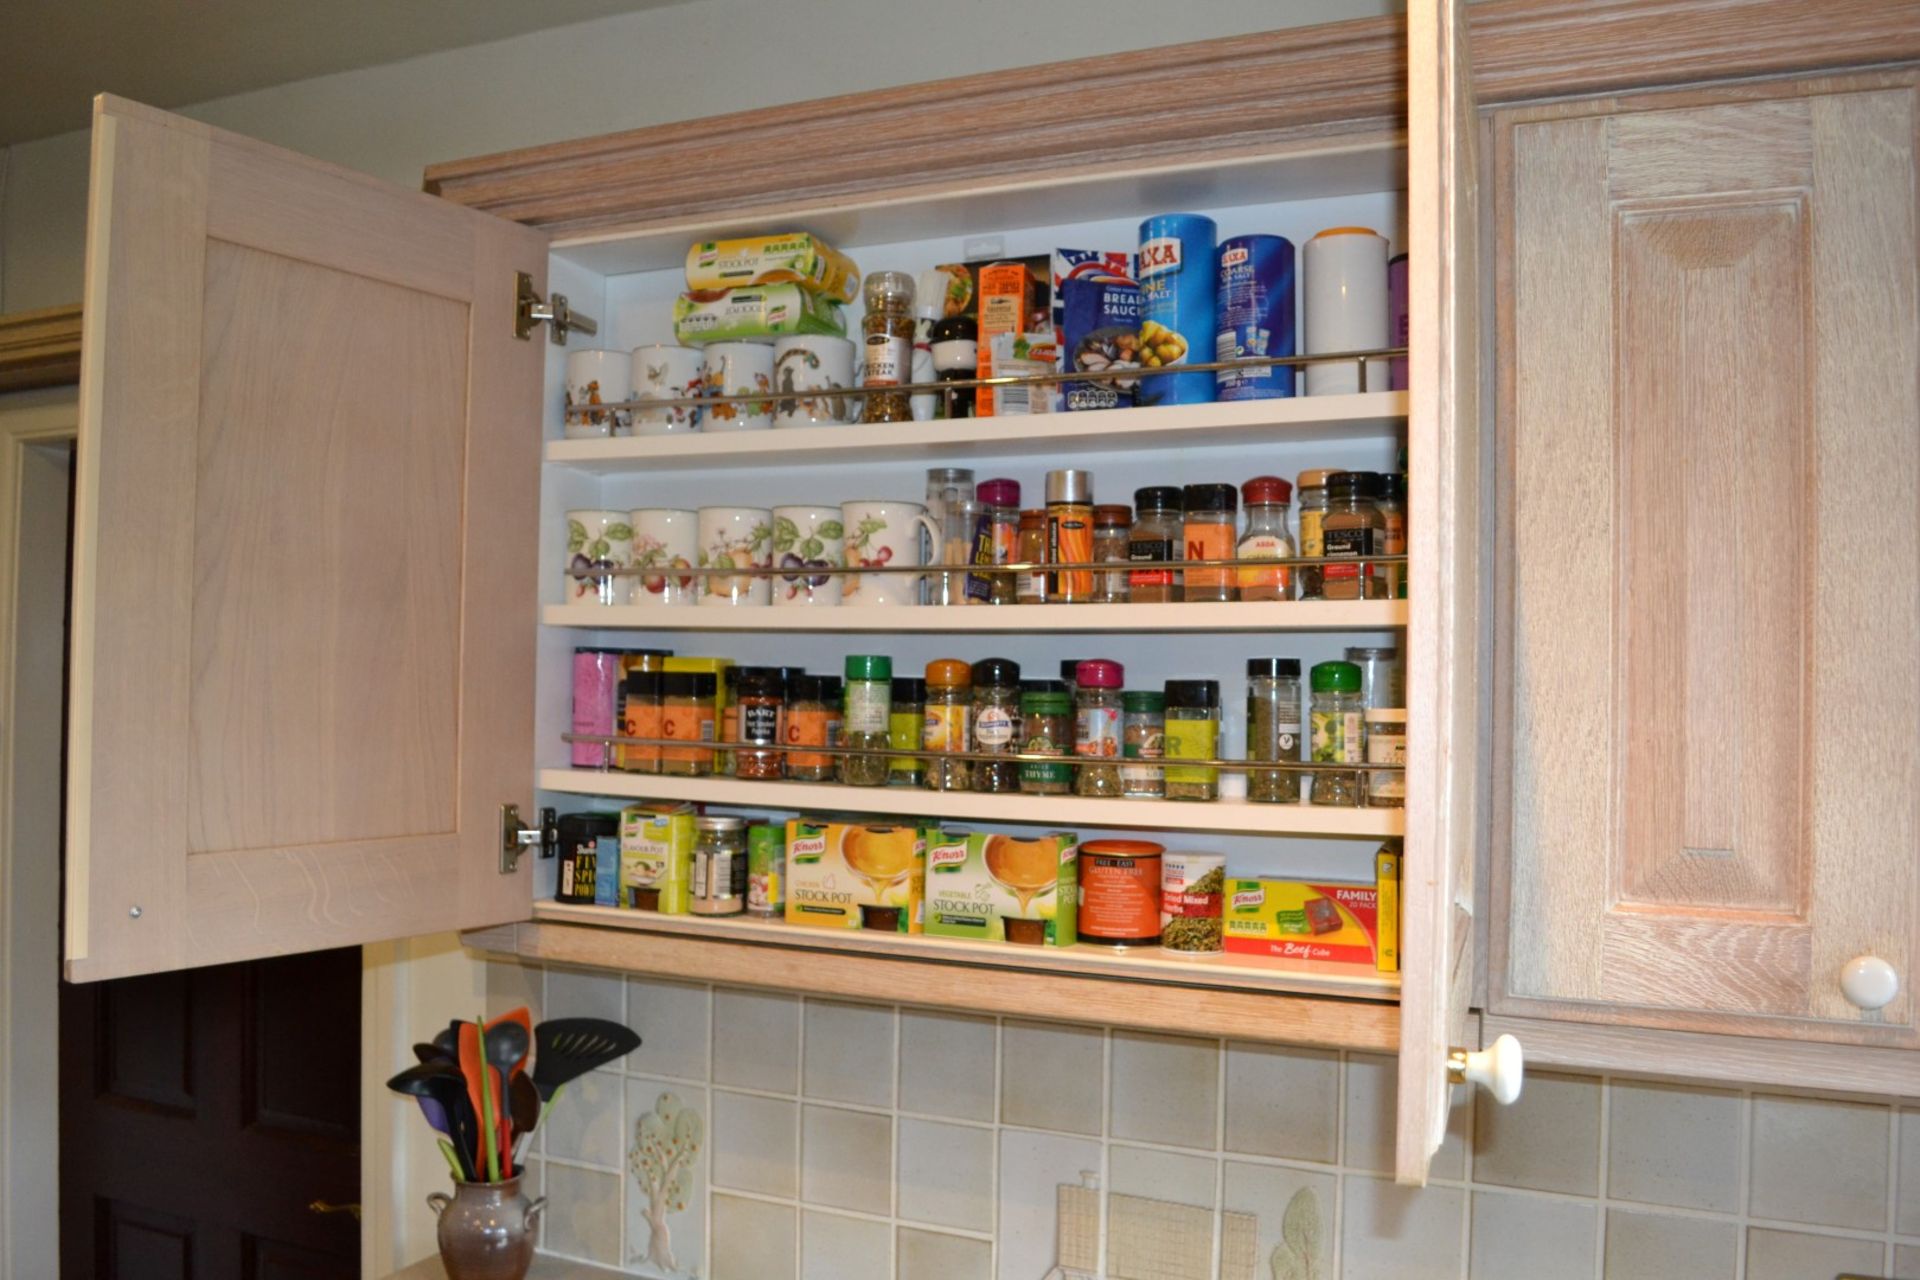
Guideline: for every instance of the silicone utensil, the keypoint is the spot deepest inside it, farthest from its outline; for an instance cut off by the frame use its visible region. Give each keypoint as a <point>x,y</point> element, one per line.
<point>567,1048</point>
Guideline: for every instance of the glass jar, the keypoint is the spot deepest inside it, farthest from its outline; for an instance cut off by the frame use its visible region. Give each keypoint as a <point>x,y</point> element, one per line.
<point>1046,729</point>
<point>1273,728</point>
<point>1208,531</point>
<point>1383,683</point>
<point>1339,732</point>
<point>906,723</point>
<point>718,885</point>
<point>952,508</point>
<point>1143,736</point>
<point>1266,538</point>
<point>1070,535</point>
<point>1031,585</point>
<point>1112,529</point>
<point>1193,733</point>
<point>1158,533</point>
<point>640,712</point>
<point>886,332</point>
<point>1353,530</point>
<point>1312,491</point>
<point>761,699</point>
<point>996,723</point>
<point>1387,744</point>
<point>688,713</point>
<point>813,720</point>
<point>865,720</point>
<point>955,347</point>
<point>1096,727</point>
<point>949,717</point>
<point>996,540</point>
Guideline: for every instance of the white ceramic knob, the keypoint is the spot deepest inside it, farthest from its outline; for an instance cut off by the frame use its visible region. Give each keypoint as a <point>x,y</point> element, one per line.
<point>1498,1068</point>
<point>1869,983</point>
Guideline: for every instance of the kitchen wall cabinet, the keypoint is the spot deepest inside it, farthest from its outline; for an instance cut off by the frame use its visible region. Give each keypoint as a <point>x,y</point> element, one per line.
<point>1710,443</point>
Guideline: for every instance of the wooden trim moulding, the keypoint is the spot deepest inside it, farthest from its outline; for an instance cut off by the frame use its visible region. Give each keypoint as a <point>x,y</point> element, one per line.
<point>1327,1021</point>
<point>40,348</point>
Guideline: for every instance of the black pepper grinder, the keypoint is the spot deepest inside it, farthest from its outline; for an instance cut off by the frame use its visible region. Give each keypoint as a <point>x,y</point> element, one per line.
<point>956,356</point>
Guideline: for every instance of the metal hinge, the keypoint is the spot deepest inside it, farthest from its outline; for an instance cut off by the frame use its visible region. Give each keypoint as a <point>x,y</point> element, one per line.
<point>514,837</point>
<point>560,319</point>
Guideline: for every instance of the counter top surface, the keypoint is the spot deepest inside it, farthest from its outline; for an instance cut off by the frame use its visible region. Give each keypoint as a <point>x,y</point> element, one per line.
<point>544,1268</point>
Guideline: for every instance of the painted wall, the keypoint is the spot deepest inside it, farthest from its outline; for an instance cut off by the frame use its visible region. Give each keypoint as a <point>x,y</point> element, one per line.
<point>675,63</point>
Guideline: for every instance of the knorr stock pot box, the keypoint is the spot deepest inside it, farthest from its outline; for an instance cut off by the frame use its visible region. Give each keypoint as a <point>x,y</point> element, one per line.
<point>1003,888</point>
<point>855,875</point>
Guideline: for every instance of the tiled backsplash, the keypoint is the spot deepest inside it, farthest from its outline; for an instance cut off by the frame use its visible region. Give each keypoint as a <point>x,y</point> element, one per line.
<point>822,1140</point>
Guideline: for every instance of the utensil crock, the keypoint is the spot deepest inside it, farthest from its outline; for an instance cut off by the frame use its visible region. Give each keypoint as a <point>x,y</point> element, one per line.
<point>486,1229</point>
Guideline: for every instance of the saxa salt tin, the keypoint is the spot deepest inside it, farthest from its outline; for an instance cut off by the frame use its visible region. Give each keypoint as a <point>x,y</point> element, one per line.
<point>1256,316</point>
<point>1176,267</point>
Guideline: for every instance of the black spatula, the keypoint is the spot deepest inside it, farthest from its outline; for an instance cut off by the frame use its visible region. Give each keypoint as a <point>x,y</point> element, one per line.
<point>567,1048</point>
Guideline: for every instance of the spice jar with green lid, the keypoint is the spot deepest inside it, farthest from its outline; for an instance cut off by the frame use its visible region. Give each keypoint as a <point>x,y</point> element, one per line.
<point>996,723</point>
<point>1143,736</point>
<point>1339,732</point>
<point>1193,733</point>
<point>1273,728</point>
<point>1046,728</point>
<point>864,720</point>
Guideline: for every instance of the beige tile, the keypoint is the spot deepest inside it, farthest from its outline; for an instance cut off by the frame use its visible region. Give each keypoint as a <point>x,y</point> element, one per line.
<point>930,1255</point>
<point>946,1064</point>
<point>672,1020</point>
<point>1906,1262</point>
<point>755,1144</point>
<point>584,993</point>
<point>1165,1089</point>
<point>1845,1141</point>
<point>1907,1210</point>
<point>1674,1145</point>
<point>1033,1167</point>
<point>1391,1232</point>
<point>1268,1192</point>
<point>1794,1255</point>
<point>1515,1237</point>
<point>512,986</point>
<point>1373,1097</point>
<point>752,1240</point>
<point>1283,1101</point>
<point>1050,1076</point>
<point>945,1174</point>
<point>683,1220</point>
<point>756,1040</point>
<point>836,1247</point>
<point>849,1053</point>
<point>1667,1246</point>
<point>586,1123</point>
<point>1548,1140</point>
<point>846,1159</point>
<point>583,1214</point>
<point>1162,1175</point>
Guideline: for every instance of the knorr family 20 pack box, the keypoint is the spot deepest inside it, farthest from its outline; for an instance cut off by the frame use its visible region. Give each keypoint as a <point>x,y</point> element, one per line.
<point>855,875</point>
<point>1003,888</point>
<point>1339,924</point>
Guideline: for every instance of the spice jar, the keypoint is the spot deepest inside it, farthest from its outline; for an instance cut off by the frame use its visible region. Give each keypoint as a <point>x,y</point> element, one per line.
<point>688,713</point>
<point>906,723</point>
<point>1046,729</point>
<point>1391,501</point>
<point>1273,728</point>
<point>719,882</point>
<point>1383,683</point>
<point>1031,586</point>
<point>1193,733</point>
<point>1387,744</point>
<point>1352,530</point>
<point>1193,891</point>
<point>996,723</point>
<point>865,722</point>
<point>887,345</point>
<point>996,540</point>
<point>1312,490</point>
<point>1143,732</point>
<point>1096,727</point>
<point>1208,533</point>
<point>813,720</point>
<point>955,347</point>
<point>766,870</point>
<point>949,717</point>
<point>640,718</point>
<point>1339,732</point>
<point>1157,534</point>
<point>1112,525</point>
<point>760,698</point>
<point>952,509</point>
<point>1070,535</point>
<point>1266,538</point>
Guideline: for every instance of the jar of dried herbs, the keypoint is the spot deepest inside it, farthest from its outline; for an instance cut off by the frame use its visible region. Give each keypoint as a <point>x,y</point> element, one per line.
<point>1193,733</point>
<point>1387,745</point>
<point>906,726</point>
<point>887,345</point>
<point>1193,890</point>
<point>864,721</point>
<point>1273,728</point>
<point>1097,729</point>
<point>1339,732</point>
<point>1046,728</point>
<point>1143,735</point>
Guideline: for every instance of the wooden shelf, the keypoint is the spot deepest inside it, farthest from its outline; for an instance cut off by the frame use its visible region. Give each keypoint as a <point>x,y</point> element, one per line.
<point>1022,619</point>
<point>968,806</point>
<point>1308,419</point>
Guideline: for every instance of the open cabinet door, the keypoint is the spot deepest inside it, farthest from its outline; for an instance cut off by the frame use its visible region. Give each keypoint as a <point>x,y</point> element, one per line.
<point>304,556</point>
<point>1447,676</point>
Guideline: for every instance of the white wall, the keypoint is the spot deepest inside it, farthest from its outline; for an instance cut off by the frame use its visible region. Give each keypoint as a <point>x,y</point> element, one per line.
<point>676,63</point>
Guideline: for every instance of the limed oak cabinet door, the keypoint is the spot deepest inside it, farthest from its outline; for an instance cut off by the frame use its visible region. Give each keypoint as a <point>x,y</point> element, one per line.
<point>304,556</point>
<point>1710,557</point>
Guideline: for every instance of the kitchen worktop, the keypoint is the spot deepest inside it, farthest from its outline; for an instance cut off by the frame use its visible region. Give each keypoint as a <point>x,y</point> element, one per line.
<point>544,1268</point>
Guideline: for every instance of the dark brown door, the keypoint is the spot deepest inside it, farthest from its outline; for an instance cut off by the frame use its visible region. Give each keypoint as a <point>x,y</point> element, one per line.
<point>202,1113</point>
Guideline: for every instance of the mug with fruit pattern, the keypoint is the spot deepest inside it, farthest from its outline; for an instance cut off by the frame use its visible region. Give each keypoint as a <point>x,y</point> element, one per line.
<point>883,532</point>
<point>597,540</point>
<point>808,538</point>
<point>735,538</point>
<point>665,538</point>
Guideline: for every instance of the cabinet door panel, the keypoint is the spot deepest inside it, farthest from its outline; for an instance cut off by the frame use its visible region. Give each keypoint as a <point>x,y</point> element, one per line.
<point>1711,540</point>
<point>304,556</point>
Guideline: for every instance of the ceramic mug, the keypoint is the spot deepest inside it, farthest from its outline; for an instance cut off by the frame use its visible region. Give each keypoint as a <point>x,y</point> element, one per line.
<point>812,362</point>
<point>597,540</point>
<point>597,377</point>
<point>665,538</point>
<point>884,532</point>
<point>666,373</point>
<point>732,538</point>
<point>808,537</point>
<point>738,369</point>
